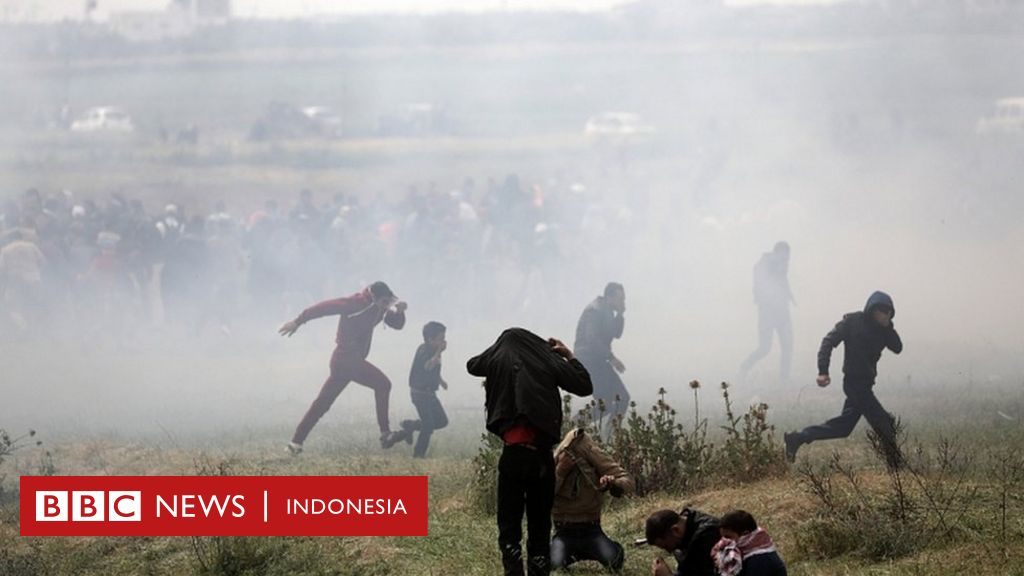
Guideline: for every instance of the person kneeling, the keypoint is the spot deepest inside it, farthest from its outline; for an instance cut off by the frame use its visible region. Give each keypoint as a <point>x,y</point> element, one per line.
<point>583,473</point>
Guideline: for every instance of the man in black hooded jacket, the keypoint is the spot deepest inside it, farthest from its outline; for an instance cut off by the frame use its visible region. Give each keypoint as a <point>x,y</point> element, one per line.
<point>864,334</point>
<point>523,374</point>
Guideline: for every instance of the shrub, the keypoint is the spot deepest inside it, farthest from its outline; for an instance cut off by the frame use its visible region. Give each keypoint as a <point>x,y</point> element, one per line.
<point>749,451</point>
<point>656,449</point>
<point>9,445</point>
<point>235,556</point>
<point>13,564</point>
<point>658,452</point>
<point>852,518</point>
<point>485,474</point>
<point>1005,467</point>
<point>926,500</point>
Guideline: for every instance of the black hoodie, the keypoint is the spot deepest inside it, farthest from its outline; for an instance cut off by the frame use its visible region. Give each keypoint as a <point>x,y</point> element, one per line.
<point>864,338</point>
<point>522,377</point>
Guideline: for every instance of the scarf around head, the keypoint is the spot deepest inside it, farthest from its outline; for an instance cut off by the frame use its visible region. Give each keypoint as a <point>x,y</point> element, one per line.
<point>729,554</point>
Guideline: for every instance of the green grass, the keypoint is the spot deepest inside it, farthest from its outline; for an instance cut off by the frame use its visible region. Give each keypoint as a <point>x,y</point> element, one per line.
<point>461,539</point>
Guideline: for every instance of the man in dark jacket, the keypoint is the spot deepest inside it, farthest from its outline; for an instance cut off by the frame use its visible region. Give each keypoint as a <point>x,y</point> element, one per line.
<point>773,297</point>
<point>523,374</point>
<point>600,323</point>
<point>864,334</point>
<point>358,315</point>
<point>689,536</point>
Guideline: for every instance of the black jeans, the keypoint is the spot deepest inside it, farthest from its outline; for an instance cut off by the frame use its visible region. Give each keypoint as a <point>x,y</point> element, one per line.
<point>607,386</point>
<point>432,417</point>
<point>860,401</point>
<point>575,541</point>
<point>526,482</point>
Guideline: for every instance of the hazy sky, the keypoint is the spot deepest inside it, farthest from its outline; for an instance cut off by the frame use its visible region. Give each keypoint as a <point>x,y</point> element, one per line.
<point>58,9</point>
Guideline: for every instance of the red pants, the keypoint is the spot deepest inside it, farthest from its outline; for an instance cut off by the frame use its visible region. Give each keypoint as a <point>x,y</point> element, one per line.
<point>343,371</point>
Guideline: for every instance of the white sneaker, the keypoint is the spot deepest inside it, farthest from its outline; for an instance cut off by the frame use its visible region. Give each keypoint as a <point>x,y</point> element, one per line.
<point>294,449</point>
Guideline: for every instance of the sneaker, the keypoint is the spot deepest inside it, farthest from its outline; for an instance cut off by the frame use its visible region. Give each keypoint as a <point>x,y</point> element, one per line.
<point>389,439</point>
<point>294,449</point>
<point>792,443</point>
<point>408,427</point>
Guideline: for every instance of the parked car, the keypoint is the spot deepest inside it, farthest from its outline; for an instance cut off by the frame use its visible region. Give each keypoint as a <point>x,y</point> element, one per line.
<point>103,119</point>
<point>415,119</point>
<point>1006,118</point>
<point>325,121</point>
<point>283,120</point>
<point>616,125</point>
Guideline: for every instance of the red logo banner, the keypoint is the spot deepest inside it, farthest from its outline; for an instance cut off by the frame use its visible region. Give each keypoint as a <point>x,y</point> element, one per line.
<point>223,505</point>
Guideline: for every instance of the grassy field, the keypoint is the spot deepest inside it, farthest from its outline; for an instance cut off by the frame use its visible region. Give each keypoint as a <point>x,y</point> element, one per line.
<point>462,537</point>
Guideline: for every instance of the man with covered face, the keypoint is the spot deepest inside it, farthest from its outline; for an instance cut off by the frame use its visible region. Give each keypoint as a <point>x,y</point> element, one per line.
<point>523,375</point>
<point>583,474</point>
<point>601,322</point>
<point>358,315</point>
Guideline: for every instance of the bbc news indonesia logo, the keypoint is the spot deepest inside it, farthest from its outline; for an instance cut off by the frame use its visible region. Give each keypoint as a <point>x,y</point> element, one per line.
<point>88,506</point>
<point>223,506</point>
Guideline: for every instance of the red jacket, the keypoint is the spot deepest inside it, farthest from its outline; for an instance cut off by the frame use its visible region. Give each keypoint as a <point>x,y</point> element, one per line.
<point>358,318</point>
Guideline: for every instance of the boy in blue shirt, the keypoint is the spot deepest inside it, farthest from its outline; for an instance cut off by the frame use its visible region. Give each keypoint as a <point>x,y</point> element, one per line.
<point>424,380</point>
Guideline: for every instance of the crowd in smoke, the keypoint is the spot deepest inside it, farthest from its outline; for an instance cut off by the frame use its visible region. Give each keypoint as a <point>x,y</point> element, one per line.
<point>108,268</point>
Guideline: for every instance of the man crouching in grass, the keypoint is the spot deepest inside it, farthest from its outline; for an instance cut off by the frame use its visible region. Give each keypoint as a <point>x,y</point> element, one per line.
<point>689,535</point>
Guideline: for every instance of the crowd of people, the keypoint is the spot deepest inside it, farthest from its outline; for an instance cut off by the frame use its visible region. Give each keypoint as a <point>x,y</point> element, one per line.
<point>112,268</point>
<point>115,265</point>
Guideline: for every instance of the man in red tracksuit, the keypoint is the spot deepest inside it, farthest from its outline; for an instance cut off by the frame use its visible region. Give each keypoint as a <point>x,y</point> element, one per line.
<point>358,315</point>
